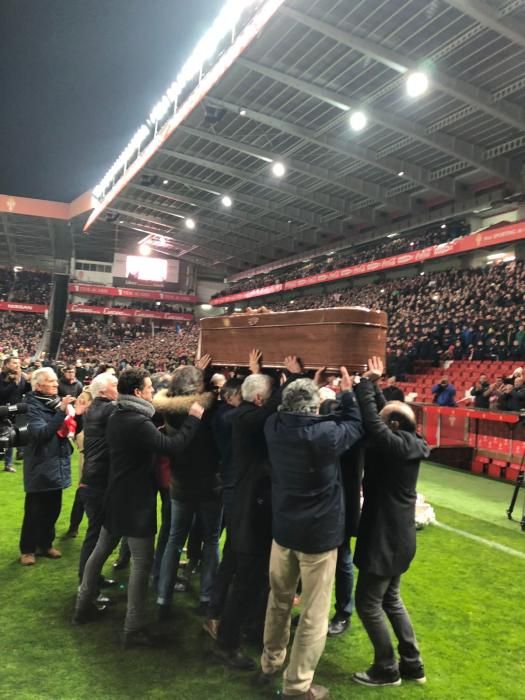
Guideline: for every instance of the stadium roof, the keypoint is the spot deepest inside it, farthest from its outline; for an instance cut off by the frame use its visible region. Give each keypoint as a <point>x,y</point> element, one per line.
<point>293,86</point>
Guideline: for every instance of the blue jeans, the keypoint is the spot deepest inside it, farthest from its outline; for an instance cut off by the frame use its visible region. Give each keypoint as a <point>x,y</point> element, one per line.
<point>182,514</point>
<point>8,459</point>
<point>344,581</point>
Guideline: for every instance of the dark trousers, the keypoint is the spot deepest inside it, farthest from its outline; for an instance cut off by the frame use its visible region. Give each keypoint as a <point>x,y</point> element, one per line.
<point>377,598</point>
<point>92,501</point>
<point>223,580</point>
<point>164,533</point>
<point>77,512</point>
<point>344,581</point>
<point>195,541</point>
<point>41,511</point>
<point>248,597</point>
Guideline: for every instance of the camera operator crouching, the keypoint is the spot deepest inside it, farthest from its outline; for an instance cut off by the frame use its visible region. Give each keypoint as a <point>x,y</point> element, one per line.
<point>13,387</point>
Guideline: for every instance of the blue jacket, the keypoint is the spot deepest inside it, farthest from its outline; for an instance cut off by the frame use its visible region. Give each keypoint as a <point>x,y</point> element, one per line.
<point>47,463</point>
<point>444,396</point>
<point>307,493</point>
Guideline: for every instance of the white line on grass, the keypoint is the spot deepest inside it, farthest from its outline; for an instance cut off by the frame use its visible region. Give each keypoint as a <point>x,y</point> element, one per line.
<point>482,540</point>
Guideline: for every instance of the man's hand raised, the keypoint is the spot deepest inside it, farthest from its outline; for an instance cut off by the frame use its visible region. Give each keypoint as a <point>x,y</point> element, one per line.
<point>347,382</point>
<point>375,368</point>
<point>292,364</point>
<point>254,361</point>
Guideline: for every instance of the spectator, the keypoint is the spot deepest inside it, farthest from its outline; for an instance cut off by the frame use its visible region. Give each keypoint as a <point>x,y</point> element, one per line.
<point>392,392</point>
<point>481,392</point>
<point>444,393</point>
<point>69,384</point>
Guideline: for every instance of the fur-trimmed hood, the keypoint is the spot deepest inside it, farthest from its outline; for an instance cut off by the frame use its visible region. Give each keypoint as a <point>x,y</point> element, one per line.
<point>181,404</point>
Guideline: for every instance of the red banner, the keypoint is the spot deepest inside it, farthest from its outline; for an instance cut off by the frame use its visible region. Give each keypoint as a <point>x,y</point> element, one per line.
<point>480,239</point>
<point>97,310</point>
<point>21,306</point>
<point>101,290</point>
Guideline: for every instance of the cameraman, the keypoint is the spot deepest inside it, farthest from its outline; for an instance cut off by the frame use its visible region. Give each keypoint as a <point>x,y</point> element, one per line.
<point>13,387</point>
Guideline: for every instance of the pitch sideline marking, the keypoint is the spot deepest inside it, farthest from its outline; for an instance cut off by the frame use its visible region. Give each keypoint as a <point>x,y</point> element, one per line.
<point>482,540</point>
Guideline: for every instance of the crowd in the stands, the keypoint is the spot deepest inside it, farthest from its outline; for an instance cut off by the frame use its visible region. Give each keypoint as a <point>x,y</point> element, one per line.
<point>166,307</point>
<point>328,262</point>
<point>25,286</point>
<point>20,333</point>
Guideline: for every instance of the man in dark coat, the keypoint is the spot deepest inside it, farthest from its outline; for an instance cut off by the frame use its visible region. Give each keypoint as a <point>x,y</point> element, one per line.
<point>308,527</point>
<point>69,384</point>
<point>13,387</point>
<point>386,538</point>
<point>47,467</point>
<point>95,473</point>
<point>131,498</point>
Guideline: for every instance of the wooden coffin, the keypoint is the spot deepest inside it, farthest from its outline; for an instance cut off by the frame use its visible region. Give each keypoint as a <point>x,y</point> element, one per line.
<point>320,337</point>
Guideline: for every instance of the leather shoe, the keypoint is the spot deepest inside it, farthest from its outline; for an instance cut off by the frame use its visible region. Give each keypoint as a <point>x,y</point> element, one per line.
<point>52,553</point>
<point>142,638</point>
<point>338,625</point>
<point>89,613</point>
<point>233,658</point>
<point>314,692</point>
<point>211,627</point>
<point>27,559</point>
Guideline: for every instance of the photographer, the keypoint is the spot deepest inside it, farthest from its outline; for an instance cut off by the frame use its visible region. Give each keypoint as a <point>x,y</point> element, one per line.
<point>47,466</point>
<point>13,387</point>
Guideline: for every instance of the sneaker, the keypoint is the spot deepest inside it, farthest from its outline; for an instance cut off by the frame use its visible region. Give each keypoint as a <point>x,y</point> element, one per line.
<point>233,658</point>
<point>412,673</point>
<point>27,559</point>
<point>377,679</point>
<point>10,470</point>
<point>314,692</point>
<point>338,625</point>
<point>211,627</point>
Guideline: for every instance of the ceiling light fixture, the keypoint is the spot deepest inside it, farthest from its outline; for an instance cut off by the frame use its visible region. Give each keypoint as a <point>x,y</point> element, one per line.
<point>227,201</point>
<point>278,169</point>
<point>190,223</point>
<point>242,112</point>
<point>358,121</point>
<point>165,182</point>
<point>145,249</point>
<point>417,84</point>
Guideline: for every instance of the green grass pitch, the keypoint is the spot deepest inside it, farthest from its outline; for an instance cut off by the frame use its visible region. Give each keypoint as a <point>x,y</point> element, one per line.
<point>466,599</point>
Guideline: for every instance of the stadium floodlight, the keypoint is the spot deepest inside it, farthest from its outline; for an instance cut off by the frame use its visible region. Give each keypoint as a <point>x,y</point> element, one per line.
<point>358,121</point>
<point>160,110</point>
<point>227,201</point>
<point>401,173</point>
<point>165,182</point>
<point>17,268</point>
<point>278,169</point>
<point>190,223</point>
<point>416,84</point>
<point>144,249</point>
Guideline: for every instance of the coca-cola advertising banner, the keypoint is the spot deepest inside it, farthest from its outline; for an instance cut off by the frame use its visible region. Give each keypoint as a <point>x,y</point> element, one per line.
<point>480,239</point>
<point>97,310</point>
<point>100,290</point>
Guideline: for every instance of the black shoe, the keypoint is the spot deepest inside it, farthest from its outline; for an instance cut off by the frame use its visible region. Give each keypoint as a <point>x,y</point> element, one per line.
<point>338,625</point>
<point>142,638</point>
<point>89,613</point>
<point>377,679</point>
<point>121,564</point>
<point>233,658</point>
<point>163,613</point>
<point>107,582</point>
<point>412,673</point>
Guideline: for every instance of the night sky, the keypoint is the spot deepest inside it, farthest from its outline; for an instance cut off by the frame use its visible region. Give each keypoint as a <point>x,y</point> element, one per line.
<point>77,79</point>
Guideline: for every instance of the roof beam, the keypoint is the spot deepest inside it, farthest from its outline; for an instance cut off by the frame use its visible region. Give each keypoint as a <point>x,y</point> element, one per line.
<point>293,213</point>
<point>451,145</point>
<point>482,100</point>
<point>388,164</point>
<point>511,28</point>
<point>335,204</point>
<point>349,182</point>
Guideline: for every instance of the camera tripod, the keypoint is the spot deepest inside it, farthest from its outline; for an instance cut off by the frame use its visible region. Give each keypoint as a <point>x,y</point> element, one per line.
<point>519,484</point>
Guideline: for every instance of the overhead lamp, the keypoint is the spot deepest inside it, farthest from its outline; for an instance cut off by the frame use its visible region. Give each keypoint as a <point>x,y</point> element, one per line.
<point>144,249</point>
<point>443,226</point>
<point>417,84</point>
<point>496,256</point>
<point>165,182</point>
<point>226,201</point>
<point>401,173</point>
<point>358,121</point>
<point>278,169</point>
<point>242,112</point>
<point>17,268</point>
<point>422,274</point>
<point>237,309</point>
<point>206,307</point>
<point>190,223</point>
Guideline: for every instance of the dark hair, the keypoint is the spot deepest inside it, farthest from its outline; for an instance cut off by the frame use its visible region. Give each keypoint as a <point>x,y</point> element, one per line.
<point>103,368</point>
<point>404,422</point>
<point>132,379</point>
<point>231,387</point>
<point>68,368</point>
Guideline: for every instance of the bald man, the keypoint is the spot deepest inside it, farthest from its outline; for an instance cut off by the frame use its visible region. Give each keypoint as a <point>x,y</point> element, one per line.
<point>386,537</point>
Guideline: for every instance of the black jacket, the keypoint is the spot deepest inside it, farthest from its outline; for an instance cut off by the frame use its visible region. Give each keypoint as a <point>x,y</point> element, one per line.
<point>67,389</point>
<point>47,457</point>
<point>386,539</point>
<point>134,443</point>
<point>307,493</point>
<point>194,470</point>
<point>96,449</point>
<point>12,392</point>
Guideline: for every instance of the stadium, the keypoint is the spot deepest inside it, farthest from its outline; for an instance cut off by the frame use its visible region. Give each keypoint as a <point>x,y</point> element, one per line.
<point>304,159</point>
